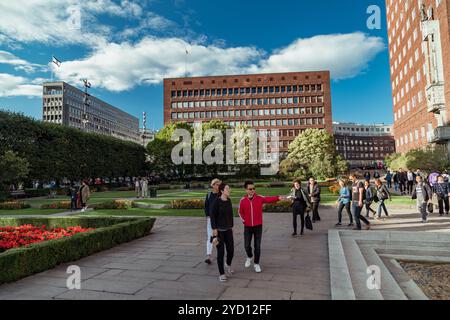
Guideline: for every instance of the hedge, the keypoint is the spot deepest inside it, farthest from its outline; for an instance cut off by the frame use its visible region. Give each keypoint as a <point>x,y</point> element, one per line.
<point>188,204</point>
<point>114,205</point>
<point>110,231</point>
<point>280,206</point>
<point>14,205</point>
<point>57,205</point>
<point>33,193</point>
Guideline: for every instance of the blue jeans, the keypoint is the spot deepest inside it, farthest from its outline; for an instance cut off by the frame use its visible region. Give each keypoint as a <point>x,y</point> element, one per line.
<point>382,206</point>
<point>358,217</point>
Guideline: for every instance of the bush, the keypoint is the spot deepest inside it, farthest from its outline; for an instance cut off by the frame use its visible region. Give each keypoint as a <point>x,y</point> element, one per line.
<point>57,205</point>
<point>334,189</point>
<point>14,205</point>
<point>115,205</point>
<point>188,204</point>
<point>280,206</point>
<point>109,232</point>
<point>33,193</point>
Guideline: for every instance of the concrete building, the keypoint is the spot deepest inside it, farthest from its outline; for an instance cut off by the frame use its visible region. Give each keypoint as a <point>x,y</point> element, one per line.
<point>64,104</point>
<point>419,47</point>
<point>364,145</point>
<point>288,102</point>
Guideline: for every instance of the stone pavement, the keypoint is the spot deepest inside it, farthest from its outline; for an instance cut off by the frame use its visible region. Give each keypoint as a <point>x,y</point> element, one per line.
<point>168,264</point>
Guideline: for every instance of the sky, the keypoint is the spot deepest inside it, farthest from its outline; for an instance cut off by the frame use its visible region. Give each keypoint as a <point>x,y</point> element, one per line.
<point>127,47</point>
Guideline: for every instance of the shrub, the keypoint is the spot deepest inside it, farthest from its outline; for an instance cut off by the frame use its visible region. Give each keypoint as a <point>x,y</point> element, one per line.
<point>280,206</point>
<point>109,232</point>
<point>188,204</point>
<point>115,205</point>
<point>334,189</point>
<point>57,205</point>
<point>14,205</point>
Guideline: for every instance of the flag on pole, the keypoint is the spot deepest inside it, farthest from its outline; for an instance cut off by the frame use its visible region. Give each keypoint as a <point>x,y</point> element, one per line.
<point>56,61</point>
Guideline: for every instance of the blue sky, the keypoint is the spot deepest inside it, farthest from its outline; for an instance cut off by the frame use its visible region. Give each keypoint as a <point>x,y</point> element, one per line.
<point>127,47</point>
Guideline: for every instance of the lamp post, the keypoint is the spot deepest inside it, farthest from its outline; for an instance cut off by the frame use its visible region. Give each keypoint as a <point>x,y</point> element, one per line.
<point>87,103</point>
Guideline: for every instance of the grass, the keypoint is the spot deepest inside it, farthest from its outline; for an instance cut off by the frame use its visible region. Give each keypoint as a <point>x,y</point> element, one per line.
<point>135,212</point>
<point>31,211</point>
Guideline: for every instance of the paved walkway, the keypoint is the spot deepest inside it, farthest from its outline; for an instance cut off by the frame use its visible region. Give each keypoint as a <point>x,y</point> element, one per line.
<point>168,264</point>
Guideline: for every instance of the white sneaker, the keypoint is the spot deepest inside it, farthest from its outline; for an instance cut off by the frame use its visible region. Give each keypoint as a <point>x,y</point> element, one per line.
<point>223,278</point>
<point>248,262</point>
<point>230,270</point>
<point>258,268</point>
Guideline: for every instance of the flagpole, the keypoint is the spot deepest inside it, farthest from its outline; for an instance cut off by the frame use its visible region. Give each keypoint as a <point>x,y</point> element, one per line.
<point>51,68</point>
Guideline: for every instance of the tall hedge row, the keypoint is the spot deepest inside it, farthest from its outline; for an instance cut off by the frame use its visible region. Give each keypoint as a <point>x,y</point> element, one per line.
<point>56,151</point>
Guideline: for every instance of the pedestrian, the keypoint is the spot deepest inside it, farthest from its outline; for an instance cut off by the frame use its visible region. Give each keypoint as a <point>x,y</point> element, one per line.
<point>383,195</point>
<point>369,198</point>
<point>85,195</point>
<point>251,213</point>
<point>446,176</point>
<point>389,179</point>
<point>423,194</point>
<point>144,188</point>
<point>402,179</point>
<point>222,224</point>
<point>301,204</point>
<point>395,180</point>
<point>314,196</point>
<point>137,187</point>
<point>209,201</point>
<point>442,192</point>
<point>376,175</point>
<point>73,198</point>
<point>410,181</point>
<point>367,176</point>
<point>344,202</point>
<point>418,173</point>
<point>358,196</point>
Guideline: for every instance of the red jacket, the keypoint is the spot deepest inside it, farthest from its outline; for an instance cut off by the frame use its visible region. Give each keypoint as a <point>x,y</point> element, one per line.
<point>251,211</point>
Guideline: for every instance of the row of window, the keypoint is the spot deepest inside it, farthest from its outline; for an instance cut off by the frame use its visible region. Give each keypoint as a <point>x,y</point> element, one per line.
<point>246,91</point>
<point>341,148</point>
<point>278,122</point>
<point>416,136</point>
<point>247,113</point>
<point>247,102</point>
<point>361,142</point>
<point>410,104</point>
<point>353,129</point>
<point>357,156</point>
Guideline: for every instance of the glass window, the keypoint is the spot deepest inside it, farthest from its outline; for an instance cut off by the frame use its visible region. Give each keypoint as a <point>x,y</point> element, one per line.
<point>224,92</point>
<point>230,92</point>
<point>283,89</point>
<point>232,114</point>
<point>247,90</point>
<point>219,92</point>
<point>254,90</point>
<point>284,112</point>
<point>190,93</point>
<point>259,90</point>
<point>271,89</point>
<point>277,89</point>
<point>300,88</point>
<point>266,90</point>
<point>202,93</point>
<point>236,91</point>
<point>213,92</point>
<point>208,92</point>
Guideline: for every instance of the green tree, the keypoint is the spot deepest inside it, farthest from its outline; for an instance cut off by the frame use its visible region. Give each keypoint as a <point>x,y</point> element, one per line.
<point>428,159</point>
<point>13,168</point>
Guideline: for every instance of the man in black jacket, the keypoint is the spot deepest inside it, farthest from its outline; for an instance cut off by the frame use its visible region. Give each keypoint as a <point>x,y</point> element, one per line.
<point>402,179</point>
<point>313,189</point>
<point>422,192</point>
<point>210,198</point>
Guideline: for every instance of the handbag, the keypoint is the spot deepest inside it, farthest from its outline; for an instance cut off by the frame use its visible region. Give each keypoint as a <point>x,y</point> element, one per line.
<point>308,223</point>
<point>430,208</point>
<point>376,199</point>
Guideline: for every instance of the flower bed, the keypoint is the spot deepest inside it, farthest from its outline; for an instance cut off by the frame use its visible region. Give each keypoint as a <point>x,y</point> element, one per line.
<point>106,232</point>
<point>188,204</point>
<point>23,236</point>
<point>14,205</point>
<point>57,205</point>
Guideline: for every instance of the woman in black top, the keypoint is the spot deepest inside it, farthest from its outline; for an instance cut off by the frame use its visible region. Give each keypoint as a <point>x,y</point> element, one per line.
<point>222,225</point>
<point>301,203</point>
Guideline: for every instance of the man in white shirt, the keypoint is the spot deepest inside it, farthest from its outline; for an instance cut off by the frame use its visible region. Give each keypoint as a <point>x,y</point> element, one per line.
<point>410,182</point>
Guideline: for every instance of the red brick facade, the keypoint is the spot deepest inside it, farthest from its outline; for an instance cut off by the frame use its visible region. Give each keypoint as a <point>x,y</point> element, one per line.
<point>290,102</point>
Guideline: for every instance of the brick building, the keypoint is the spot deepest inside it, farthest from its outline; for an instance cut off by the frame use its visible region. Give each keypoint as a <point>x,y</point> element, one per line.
<point>289,102</point>
<point>419,47</point>
<point>363,145</point>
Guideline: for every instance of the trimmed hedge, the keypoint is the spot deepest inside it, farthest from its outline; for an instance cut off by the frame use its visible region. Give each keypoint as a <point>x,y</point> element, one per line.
<point>188,204</point>
<point>110,231</point>
<point>14,205</point>
<point>280,206</point>
<point>114,205</point>
<point>57,205</point>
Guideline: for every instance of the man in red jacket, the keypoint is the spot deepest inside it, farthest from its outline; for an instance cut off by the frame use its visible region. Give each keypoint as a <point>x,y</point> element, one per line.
<point>251,213</point>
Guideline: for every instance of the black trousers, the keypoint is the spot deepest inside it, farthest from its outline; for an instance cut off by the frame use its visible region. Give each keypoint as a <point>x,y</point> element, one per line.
<point>443,203</point>
<point>256,233</point>
<point>402,185</point>
<point>410,187</point>
<point>226,241</point>
<point>73,204</point>
<point>315,211</point>
<point>298,210</point>
<point>347,208</point>
<point>369,209</point>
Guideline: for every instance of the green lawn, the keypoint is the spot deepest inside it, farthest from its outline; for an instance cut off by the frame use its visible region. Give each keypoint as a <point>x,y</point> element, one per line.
<point>31,211</point>
<point>147,213</point>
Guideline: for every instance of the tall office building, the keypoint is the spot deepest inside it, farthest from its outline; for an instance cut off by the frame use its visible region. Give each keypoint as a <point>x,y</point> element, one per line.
<point>419,47</point>
<point>363,145</point>
<point>64,104</point>
<point>289,102</point>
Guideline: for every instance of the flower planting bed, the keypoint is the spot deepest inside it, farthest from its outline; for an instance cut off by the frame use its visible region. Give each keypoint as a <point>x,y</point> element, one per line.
<point>63,240</point>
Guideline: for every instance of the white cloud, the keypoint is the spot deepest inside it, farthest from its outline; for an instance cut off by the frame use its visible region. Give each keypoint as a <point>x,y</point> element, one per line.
<point>119,67</point>
<point>345,55</point>
<point>20,64</point>
<point>11,86</point>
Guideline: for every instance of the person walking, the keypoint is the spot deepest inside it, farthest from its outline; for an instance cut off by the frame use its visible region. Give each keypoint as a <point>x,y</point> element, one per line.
<point>144,188</point>
<point>344,201</point>
<point>383,195</point>
<point>410,182</point>
<point>85,195</point>
<point>423,194</point>
<point>251,213</point>
<point>137,187</point>
<point>358,195</point>
<point>376,175</point>
<point>367,176</point>
<point>389,179</point>
<point>369,198</point>
<point>209,201</point>
<point>402,179</point>
<point>314,196</point>
<point>300,205</point>
<point>442,192</point>
<point>395,180</point>
<point>222,224</point>
<point>73,198</point>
